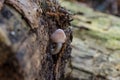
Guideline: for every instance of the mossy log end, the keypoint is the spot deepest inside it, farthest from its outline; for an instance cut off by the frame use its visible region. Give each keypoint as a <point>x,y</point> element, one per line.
<point>25,44</point>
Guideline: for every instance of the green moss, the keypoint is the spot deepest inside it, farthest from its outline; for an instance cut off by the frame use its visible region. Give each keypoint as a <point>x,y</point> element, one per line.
<point>113,44</point>
<point>76,8</point>
<point>104,28</point>
<point>75,22</point>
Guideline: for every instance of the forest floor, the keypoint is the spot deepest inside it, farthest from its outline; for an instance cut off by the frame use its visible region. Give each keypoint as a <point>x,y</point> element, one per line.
<point>96,43</point>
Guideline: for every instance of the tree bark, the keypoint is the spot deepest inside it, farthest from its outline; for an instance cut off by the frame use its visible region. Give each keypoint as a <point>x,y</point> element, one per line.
<point>25,44</point>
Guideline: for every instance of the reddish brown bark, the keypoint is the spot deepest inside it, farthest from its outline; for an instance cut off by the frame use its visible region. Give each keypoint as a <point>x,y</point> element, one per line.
<point>28,25</point>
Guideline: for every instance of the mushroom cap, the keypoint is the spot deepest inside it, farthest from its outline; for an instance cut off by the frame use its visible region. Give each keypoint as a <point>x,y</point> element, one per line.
<point>58,36</point>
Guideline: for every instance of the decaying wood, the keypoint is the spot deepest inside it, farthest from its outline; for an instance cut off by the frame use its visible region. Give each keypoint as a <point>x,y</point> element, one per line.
<point>25,51</point>
<point>29,9</point>
<point>1,3</point>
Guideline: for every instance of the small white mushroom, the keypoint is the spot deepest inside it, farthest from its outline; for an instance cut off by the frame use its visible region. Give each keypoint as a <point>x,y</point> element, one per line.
<point>59,38</point>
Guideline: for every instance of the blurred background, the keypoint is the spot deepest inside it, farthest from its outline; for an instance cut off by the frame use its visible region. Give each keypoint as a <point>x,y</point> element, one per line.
<point>96,39</point>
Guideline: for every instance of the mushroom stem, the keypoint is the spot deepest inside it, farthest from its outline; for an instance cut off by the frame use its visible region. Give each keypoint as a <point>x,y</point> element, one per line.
<point>57,49</point>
